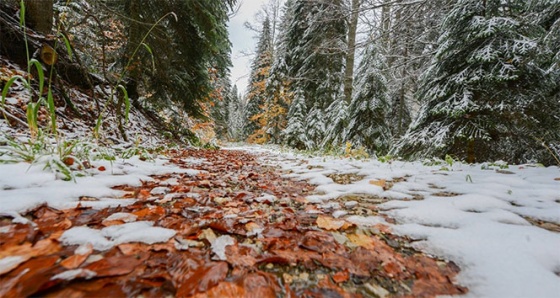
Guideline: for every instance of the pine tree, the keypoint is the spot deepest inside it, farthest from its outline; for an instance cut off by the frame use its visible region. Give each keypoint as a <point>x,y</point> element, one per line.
<point>316,39</point>
<point>190,40</point>
<point>256,95</point>
<point>367,111</point>
<point>295,135</point>
<point>408,33</point>
<point>236,115</point>
<point>278,95</point>
<point>484,92</point>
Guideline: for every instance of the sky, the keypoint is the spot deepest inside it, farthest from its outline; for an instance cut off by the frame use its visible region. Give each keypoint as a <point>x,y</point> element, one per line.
<point>243,40</point>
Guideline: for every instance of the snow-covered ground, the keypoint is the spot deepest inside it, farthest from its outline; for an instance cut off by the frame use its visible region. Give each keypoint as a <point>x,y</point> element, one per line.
<point>475,215</point>
<point>488,219</point>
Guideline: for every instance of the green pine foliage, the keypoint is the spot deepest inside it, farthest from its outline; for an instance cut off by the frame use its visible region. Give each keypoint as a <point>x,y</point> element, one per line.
<point>192,40</point>
<point>367,126</point>
<point>486,96</point>
<point>316,42</point>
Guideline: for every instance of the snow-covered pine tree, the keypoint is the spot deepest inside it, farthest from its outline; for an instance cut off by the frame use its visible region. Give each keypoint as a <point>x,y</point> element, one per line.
<point>294,135</point>
<point>409,33</point>
<point>236,115</point>
<point>260,69</point>
<point>316,37</point>
<point>367,111</point>
<point>337,123</point>
<point>485,96</point>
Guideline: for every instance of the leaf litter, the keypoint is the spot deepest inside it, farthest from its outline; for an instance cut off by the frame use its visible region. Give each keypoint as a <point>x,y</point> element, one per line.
<point>228,227</point>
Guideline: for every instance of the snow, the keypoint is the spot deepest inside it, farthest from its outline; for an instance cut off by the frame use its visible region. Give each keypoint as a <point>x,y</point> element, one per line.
<point>72,274</point>
<point>479,216</point>
<point>219,246</point>
<point>24,186</point>
<point>106,238</point>
<point>474,215</point>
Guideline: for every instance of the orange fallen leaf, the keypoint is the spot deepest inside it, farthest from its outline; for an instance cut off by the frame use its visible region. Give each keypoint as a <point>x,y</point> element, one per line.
<point>80,255</point>
<point>154,210</point>
<point>251,227</point>
<point>381,183</point>
<point>341,276</point>
<point>361,240</point>
<point>329,223</point>
<point>114,266</point>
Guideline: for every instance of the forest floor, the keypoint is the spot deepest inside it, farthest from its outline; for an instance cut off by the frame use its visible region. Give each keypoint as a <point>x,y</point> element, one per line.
<point>256,222</point>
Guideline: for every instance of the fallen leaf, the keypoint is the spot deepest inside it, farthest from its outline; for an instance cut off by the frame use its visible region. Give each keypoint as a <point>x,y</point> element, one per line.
<point>224,290</point>
<point>80,255</point>
<point>329,223</point>
<point>101,168</point>
<point>114,266</point>
<point>341,276</point>
<point>361,240</point>
<point>68,161</point>
<point>381,183</point>
<point>204,278</point>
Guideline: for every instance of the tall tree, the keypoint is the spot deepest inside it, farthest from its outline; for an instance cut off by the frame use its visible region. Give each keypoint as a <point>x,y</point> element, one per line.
<point>195,37</point>
<point>39,15</point>
<point>256,95</point>
<point>367,111</point>
<point>351,52</point>
<point>484,92</point>
<point>316,37</point>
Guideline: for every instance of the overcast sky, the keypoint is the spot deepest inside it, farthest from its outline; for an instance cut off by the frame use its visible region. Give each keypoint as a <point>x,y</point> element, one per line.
<point>243,40</point>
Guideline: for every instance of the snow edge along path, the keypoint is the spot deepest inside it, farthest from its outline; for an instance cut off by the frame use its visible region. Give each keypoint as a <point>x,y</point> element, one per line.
<point>24,187</point>
<point>475,217</point>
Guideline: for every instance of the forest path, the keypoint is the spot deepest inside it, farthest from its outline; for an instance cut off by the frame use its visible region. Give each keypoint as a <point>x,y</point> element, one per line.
<point>227,226</point>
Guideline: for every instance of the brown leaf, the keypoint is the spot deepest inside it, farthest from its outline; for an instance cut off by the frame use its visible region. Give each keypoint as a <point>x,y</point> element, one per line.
<point>341,276</point>
<point>203,279</point>
<point>28,278</point>
<point>114,266</point>
<point>224,289</point>
<point>81,254</point>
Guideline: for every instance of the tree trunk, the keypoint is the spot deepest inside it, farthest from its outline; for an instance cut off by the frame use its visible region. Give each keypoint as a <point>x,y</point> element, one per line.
<point>350,56</point>
<point>39,15</point>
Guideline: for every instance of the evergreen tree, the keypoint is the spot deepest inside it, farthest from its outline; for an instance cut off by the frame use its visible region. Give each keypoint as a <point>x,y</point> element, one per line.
<point>316,39</point>
<point>236,115</point>
<point>408,33</point>
<point>367,111</point>
<point>220,100</point>
<point>190,40</point>
<point>260,69</point>
<point>278,95</point>
<point>485,96</point>
<point>295,135</point>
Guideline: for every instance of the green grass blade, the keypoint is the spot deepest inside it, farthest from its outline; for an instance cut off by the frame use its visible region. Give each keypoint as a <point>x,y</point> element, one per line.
<point>52,110</point>
<point>39,68</point>
<point>67,43</point>
<point>151,55</point>
<point>8,85</point>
